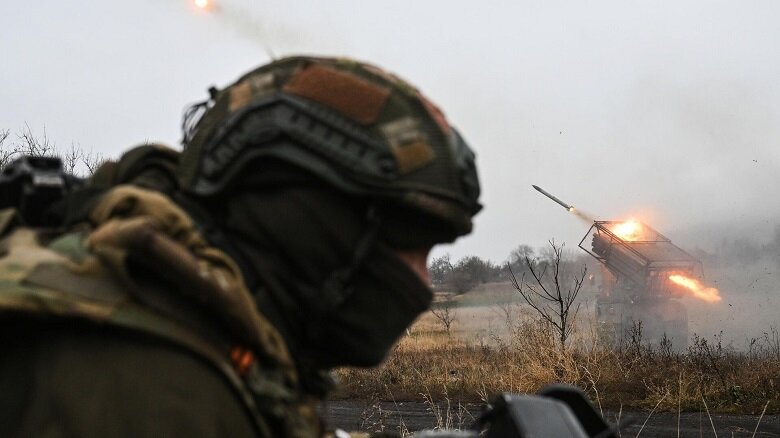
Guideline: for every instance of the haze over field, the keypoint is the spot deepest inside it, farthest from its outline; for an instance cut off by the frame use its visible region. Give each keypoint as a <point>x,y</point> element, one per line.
<point>667,113</point>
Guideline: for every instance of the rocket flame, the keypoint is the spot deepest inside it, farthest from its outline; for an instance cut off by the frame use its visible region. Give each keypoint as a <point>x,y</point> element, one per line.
<point>708,294</point>
<point>630,230</point>
<point>202,4</point>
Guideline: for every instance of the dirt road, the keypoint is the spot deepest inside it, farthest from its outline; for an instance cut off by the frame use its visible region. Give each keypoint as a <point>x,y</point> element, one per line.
<point>412,416</point>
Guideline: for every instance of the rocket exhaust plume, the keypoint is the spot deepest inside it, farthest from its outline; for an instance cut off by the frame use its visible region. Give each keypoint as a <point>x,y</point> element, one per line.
<point>698,290</point>
<point>202,4</point>
<point>630,230</point>
<point>570,208</point>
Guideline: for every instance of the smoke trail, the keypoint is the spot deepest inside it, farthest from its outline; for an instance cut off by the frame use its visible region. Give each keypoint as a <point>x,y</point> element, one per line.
<point>585,217</point>
<point>259,31</point>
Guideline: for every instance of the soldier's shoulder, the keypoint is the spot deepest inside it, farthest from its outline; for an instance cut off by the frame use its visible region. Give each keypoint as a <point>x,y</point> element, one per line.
<point>47,274</point>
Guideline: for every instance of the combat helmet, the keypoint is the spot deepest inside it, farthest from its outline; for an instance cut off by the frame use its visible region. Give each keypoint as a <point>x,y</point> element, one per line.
<point>359,128</point>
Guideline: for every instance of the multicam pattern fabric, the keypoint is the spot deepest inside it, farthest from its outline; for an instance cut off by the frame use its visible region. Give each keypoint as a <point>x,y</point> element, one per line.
<point>84,274</point>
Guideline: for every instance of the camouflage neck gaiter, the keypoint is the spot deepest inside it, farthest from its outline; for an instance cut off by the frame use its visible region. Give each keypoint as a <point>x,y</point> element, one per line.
<point>293,239</point>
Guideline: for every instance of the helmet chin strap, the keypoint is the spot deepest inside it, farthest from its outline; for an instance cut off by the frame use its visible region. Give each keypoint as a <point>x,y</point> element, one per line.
<point>337,288</point>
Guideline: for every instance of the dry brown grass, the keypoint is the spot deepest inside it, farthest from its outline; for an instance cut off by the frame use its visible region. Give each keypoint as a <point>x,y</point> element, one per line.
<point>524,355</point>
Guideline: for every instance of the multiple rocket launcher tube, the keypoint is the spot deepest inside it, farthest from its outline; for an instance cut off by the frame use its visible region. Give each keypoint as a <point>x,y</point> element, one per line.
<point>708,294</point>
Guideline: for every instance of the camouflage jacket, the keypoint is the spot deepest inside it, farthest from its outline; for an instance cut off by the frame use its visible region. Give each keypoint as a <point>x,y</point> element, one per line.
<point>139,264</point>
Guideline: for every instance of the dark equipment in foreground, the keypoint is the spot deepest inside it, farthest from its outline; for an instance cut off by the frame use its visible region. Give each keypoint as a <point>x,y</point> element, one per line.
<point>33,184</point>
<point>636,289</point>
<point>558,411</point>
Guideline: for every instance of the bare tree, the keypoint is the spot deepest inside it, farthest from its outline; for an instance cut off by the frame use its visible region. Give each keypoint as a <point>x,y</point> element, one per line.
<point>444,312</point>
<point>7,151</point>
<point>75,160</point>
<point>548,293</point>
<point>71,158</point>
<point>91,161</point>
<point>519,254</point>
<point>471,271</point>
<point>31,144</point>
<point>440,269</point>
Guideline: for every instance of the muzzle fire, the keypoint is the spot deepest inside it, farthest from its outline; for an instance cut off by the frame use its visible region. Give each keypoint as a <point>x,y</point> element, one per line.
<point>630,230</point>
<point>202,4</point>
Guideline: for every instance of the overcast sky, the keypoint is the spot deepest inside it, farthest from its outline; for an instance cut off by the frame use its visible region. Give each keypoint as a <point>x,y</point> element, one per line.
<point>667,112</point>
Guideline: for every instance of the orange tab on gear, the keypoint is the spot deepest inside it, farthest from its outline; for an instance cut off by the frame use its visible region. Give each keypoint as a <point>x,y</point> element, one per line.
<point>243,360</point>
<point>356,98</point>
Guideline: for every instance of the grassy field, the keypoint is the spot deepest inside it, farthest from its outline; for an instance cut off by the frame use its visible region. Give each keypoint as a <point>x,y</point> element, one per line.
<point>494,348</point>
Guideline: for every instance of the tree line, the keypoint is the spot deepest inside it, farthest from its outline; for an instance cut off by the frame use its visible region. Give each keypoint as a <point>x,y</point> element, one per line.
<point>76,160</point>
<point>468,272</point>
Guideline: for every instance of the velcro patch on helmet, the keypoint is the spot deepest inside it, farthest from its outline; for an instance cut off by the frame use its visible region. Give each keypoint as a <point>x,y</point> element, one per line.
<point>402,131</point>
<point>250,89</point>
<point>413,156</point>
<point>408,144</point>
<point>354,97</point>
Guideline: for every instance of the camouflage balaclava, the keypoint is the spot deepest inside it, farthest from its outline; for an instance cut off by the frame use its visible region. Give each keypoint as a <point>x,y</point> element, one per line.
<point>315,170</point>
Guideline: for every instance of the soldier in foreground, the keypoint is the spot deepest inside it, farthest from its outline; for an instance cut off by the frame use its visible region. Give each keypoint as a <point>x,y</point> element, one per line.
<point>209,292</point>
